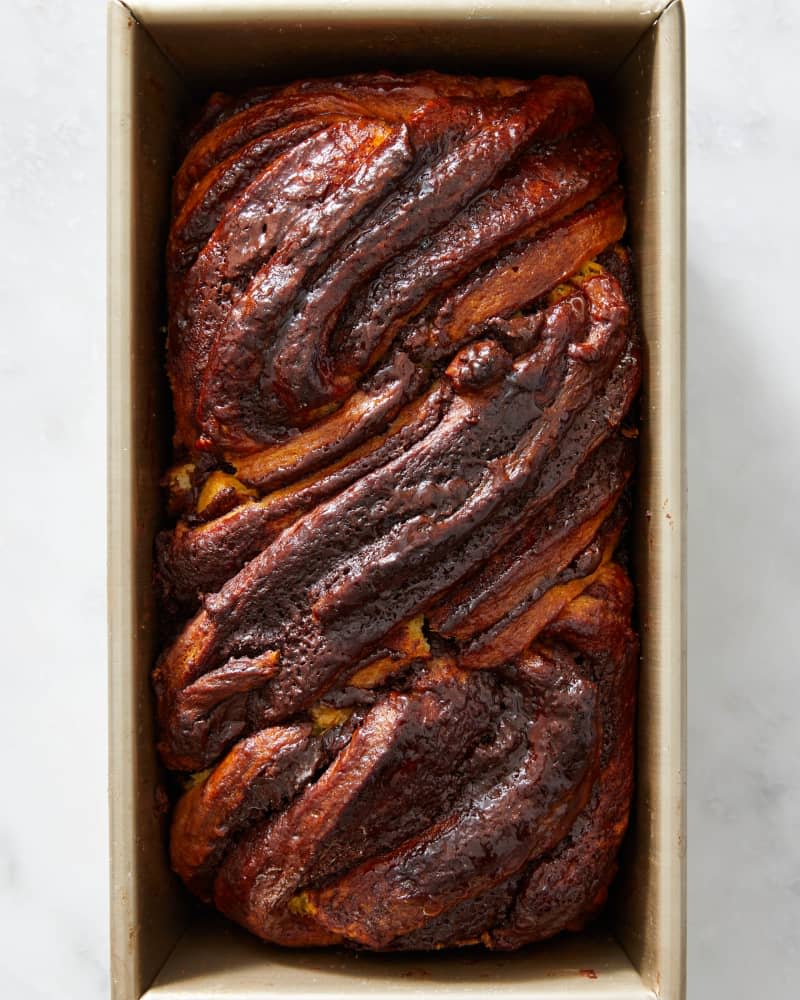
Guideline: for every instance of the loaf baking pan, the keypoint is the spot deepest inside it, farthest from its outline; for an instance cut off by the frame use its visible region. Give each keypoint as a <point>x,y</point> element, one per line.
<point>163,56</point>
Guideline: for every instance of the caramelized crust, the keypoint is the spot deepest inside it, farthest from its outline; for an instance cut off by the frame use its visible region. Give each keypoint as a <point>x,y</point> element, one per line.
<point>400,671</point>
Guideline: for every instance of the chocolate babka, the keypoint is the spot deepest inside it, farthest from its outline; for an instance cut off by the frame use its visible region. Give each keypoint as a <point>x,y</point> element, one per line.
<point>398,683</point>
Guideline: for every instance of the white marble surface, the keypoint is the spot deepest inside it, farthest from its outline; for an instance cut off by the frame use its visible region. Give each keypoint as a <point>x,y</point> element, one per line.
<point>744,464</point>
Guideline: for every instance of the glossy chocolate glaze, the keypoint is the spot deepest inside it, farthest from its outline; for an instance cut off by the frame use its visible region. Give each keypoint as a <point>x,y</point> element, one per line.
<point>403,358</point>
<point>506,816</point>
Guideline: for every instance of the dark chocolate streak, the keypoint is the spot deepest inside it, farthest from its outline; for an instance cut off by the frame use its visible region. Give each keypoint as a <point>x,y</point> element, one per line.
<point>199,560</point>
<point>500,823</point>
<point>342,575</point>
<point>544,184</point>
<point>403,359</point>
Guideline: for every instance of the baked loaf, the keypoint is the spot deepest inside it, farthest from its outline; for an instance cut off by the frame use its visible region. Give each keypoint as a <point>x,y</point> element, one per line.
<point>399,677</point>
